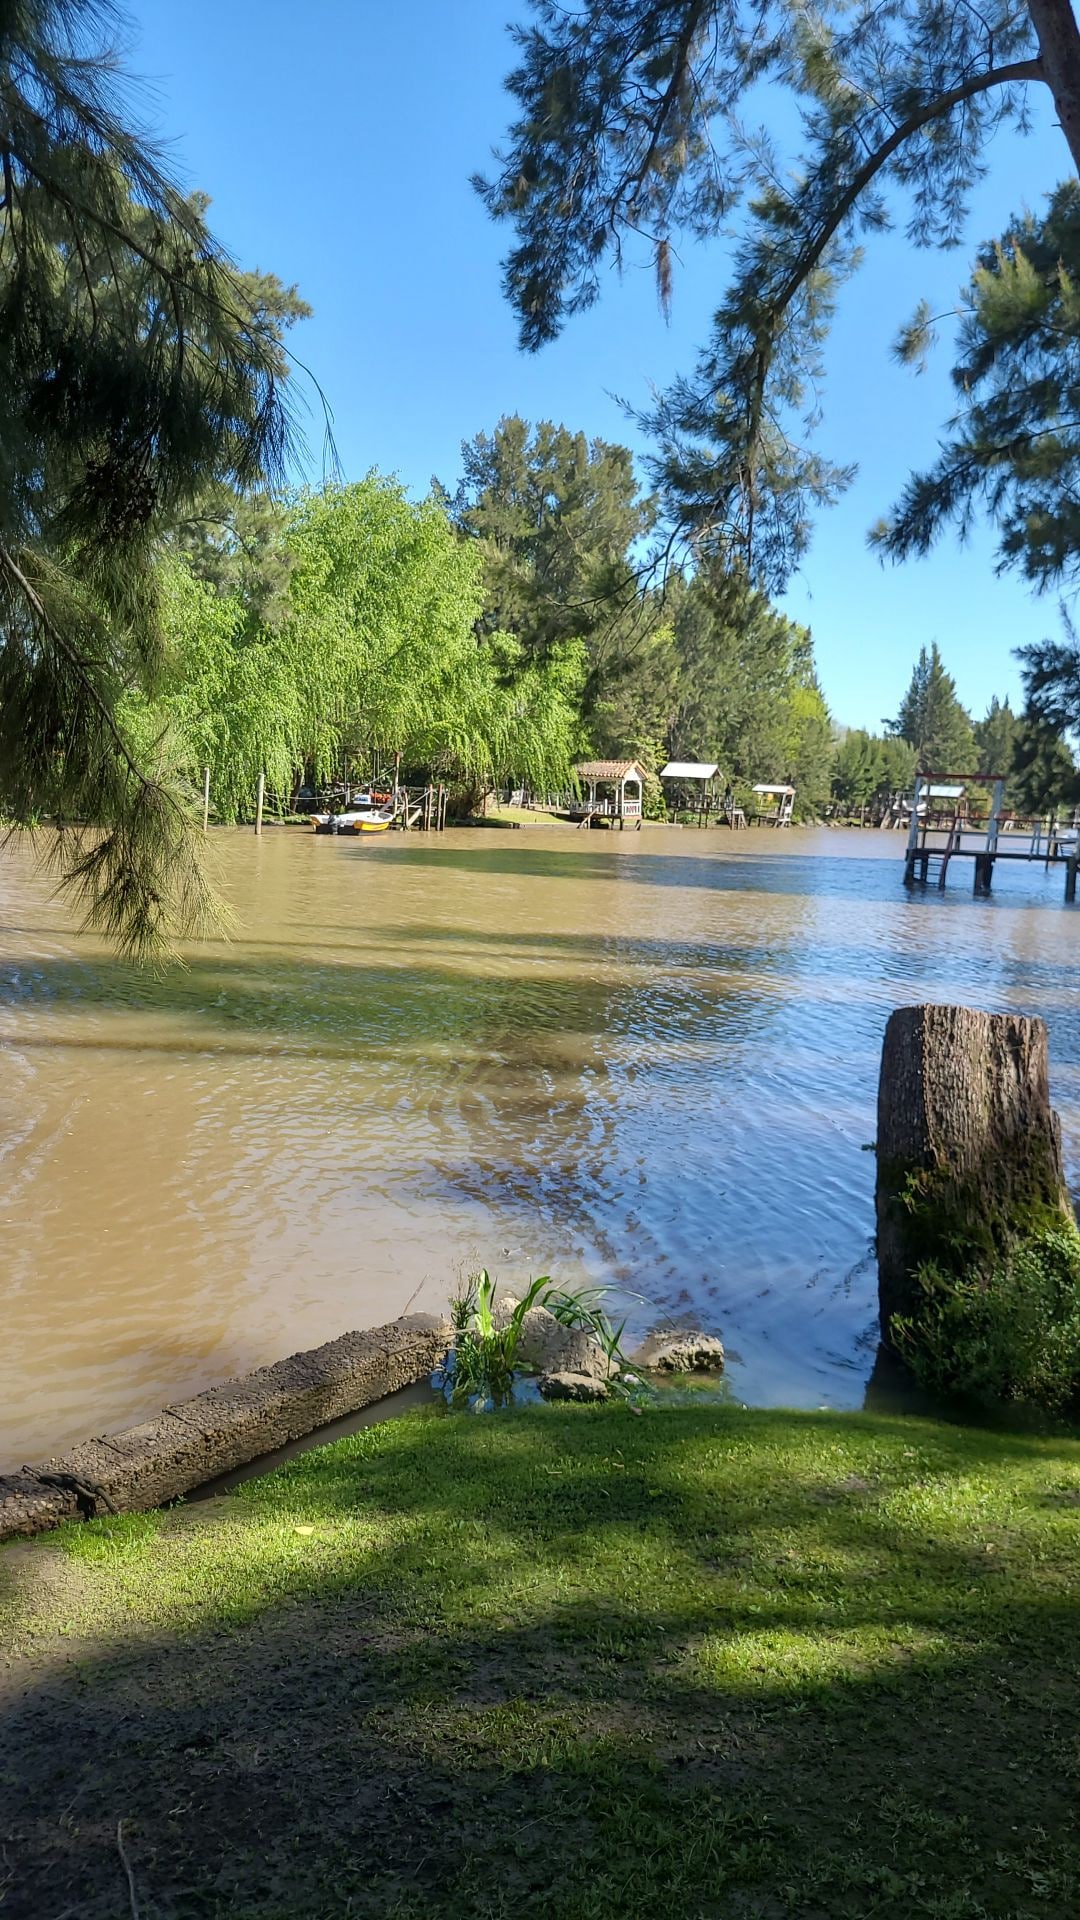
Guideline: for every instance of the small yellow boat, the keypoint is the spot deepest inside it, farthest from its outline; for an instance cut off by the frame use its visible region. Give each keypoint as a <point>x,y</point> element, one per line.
<point>361,817</point>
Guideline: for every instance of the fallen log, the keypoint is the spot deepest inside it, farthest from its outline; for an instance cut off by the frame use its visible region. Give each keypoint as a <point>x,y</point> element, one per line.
<point>968,1146</point>
<point>225,1427</point>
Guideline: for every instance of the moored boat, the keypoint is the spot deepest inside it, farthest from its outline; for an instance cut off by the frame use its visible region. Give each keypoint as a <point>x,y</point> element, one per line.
<point>366,813</point>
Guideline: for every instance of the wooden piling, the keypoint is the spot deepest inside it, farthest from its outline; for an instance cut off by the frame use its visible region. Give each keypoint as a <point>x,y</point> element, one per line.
<point>205,799</point>
<point>259,803</point>
<point>968,1147</point>
<point>1070,877</point>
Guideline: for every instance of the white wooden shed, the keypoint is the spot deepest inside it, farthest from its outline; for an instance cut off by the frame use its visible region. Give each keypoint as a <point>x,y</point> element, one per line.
<point>778,814</point>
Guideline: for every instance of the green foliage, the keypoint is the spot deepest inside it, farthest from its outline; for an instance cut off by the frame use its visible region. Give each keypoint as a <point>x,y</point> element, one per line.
<point>856,768</point>
<point>707,669</point>
<point>374,651</point>
<point>996,739</point>
<point>1011,1333</point>
<point>1014,446</point>
<point>135,371</point>
<point>585,1309</point>
<point>748,695</point>
<point>872,767</point>
<point>485,1353</point>
<point>932,720</point>
<point>481,1369</point>
<point>637,123</point>
<point>1045,777</point>
<point>556,518</point>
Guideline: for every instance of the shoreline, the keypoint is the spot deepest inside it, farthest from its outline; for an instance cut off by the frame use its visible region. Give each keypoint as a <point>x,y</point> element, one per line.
<point>257,1416</point>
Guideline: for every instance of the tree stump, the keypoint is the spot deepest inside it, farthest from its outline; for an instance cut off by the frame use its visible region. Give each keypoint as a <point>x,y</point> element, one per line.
<point>968,1147</point>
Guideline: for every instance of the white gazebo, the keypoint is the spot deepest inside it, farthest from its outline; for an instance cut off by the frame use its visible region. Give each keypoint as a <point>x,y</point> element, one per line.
<point>614,792</point>
<point>783,799</point>
<point>693,772</point>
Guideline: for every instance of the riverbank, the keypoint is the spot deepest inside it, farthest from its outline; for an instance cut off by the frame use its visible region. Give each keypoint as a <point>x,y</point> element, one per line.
<point>647,1060</point>
<point>563,1662</point>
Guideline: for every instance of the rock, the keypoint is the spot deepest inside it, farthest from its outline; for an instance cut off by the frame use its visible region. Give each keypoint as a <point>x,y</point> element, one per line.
<point>548,1347</point>
<point>571,1386</point>
<point>680,1351</point>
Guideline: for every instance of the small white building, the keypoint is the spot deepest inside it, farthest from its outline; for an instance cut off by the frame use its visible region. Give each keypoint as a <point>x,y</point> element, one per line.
<point>783,801</point>
<point>690,770</point>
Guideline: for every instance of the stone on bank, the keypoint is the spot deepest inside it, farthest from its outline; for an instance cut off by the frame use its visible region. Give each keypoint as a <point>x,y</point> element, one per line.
<point>226,1427</point>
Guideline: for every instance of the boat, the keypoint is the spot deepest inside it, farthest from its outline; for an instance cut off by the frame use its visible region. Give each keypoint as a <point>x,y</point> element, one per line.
<point>376,821</point>
<point>366,813</point>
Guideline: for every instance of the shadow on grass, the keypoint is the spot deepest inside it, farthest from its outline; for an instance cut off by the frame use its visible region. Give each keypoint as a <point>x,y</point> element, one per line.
<point>564,1664</point>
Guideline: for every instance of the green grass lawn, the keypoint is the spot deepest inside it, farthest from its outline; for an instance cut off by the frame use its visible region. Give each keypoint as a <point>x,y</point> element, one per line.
<point>567,1663</point>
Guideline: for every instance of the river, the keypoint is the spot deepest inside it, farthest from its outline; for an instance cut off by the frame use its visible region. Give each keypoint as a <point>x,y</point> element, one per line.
<point>648,1060</point>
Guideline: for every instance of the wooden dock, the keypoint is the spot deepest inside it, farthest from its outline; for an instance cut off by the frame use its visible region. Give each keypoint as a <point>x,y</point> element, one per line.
<point>936,841</point>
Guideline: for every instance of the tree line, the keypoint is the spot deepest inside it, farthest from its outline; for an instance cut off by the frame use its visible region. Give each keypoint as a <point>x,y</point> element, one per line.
<point>166,601</point>
<point>932,732</point>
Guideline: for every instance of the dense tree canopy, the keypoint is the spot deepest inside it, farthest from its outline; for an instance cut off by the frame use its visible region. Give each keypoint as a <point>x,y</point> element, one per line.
<point>872,767</point>
<point>134,371</point>
<point>374,653</point>
<point>557,519</point>
<point>932,720</point>
<point>629,129</point>
<point>705,669</point>
<point>747,691</point>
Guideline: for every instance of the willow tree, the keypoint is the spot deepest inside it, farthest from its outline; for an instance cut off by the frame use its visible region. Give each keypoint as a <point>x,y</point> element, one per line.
<point>630,133</point>
<point>134,369</point>
<point>375,652</point>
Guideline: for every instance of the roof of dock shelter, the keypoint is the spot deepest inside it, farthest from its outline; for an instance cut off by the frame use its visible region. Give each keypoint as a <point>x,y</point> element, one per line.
<point>689,770</point>
<point>765,788</point>
<point>608,769</point>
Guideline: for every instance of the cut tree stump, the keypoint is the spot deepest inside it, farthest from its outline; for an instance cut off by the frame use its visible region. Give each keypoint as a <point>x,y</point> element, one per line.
<point>968,1147</point>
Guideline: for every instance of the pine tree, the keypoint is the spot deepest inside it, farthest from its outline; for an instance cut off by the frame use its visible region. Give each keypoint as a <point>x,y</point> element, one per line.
<point>630,132</point>
<point>1013,448</point>
<point>1045,775</point>
<point>995,739</point>
<point>135,371</point>
<point>932,720</point>
<point>556,517</point>
<point>856,770</point>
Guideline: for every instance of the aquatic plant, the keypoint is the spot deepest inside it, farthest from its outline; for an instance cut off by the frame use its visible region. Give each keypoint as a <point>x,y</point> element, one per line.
<point>486,1355</point>
<point>584,1309</point>
<point>1009,1332</point>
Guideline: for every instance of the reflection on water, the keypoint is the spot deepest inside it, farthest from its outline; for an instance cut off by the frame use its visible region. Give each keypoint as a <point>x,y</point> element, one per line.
<point>650,1061</point>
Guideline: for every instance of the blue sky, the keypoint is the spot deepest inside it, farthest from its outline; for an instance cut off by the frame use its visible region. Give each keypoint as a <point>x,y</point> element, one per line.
<point>337,141</point>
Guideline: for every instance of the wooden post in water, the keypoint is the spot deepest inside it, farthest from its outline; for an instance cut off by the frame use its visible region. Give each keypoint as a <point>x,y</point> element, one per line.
<point>205,799</point>
<point>1070,877</point>
<point>259,803</point>
<point>968,1147</point>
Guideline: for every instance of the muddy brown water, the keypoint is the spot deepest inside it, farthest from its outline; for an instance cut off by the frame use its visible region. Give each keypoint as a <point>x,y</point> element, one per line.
<point>642,1059</point>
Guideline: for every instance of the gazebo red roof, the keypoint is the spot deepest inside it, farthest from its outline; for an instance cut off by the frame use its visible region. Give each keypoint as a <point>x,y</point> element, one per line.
<point>608,769</point>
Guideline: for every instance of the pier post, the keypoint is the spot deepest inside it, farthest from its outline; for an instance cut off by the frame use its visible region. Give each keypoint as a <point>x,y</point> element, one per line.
<point>205,798</point>
<point>968,1147</point>
<point>984,872</point>
<point>259,803</point>
<point>1070,877</point>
